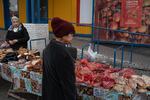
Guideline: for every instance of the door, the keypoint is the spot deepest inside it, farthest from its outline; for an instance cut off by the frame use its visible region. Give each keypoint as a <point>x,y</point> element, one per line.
<point>37,11</point>
<point>10,9</point>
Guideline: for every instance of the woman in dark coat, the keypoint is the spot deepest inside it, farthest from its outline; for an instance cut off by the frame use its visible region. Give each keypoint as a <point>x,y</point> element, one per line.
<point>17,35</point>
<point>58,64</point>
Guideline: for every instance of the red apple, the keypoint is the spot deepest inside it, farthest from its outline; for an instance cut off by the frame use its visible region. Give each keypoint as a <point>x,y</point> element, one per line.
<point>142,29</point>
<point>116,17</point>
<point>147,21</point>
<point>109,13</point>
<point>114,25</point>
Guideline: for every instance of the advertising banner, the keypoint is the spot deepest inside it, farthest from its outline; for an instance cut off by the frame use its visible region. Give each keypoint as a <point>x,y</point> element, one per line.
<point>131,13</point>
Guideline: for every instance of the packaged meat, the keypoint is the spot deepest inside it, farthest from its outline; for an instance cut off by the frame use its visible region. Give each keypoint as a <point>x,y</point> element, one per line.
<point>132,83</point>
<point>118,87</point>
<point>127,90</point>
<point>142,90</point>
<point>121,80</point>
<point>146,79</point>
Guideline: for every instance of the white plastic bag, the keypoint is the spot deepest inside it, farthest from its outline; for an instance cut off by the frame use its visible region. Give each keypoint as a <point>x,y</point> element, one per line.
<point>91,53</point>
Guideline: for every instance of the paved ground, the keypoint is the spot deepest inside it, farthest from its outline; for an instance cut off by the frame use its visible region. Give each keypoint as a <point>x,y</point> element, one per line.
<point>141,56</point>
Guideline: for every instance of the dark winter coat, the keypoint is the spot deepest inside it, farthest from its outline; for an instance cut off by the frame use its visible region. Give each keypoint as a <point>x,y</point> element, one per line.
<point>58,73</point>
<point>22,36</point>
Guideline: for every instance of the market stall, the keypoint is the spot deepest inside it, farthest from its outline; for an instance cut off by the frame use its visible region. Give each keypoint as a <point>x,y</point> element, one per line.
<point>25,74</point>
<point>95,80</point>
<point>101,81</point>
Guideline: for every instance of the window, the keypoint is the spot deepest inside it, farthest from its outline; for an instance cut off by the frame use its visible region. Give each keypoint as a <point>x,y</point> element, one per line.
<point>43,9</point>
<point>84,11</point>
<point>32,11</point>
<point>39,10</point>
<point>13,8</point>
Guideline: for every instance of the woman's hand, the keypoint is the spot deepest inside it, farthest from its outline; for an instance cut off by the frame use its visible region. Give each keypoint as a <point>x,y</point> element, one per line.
<point>15,40</point>
<point>12,42</point>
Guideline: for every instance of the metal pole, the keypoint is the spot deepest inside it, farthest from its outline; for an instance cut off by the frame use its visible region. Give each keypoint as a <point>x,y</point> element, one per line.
<point>131,53</point>
<point>115,57</point>
<point>82,53</point>
<point>122,58</point>
<point>93,7</point>
<point>30,45</point>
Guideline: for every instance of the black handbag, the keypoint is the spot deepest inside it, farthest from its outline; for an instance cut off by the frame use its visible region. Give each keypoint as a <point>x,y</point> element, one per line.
<point>12,56</point>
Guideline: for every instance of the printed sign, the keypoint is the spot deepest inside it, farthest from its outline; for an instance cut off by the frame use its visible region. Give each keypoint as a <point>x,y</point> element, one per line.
<point>131,13</point>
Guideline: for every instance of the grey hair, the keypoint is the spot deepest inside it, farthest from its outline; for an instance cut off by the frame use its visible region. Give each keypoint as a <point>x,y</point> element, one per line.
<point>14,18</point>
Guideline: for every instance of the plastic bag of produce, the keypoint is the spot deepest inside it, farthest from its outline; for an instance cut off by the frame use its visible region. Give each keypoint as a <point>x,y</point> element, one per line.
<point>91,53</point>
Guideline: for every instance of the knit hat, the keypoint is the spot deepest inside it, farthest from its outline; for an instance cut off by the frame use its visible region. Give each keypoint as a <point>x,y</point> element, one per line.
<point>61,27</point>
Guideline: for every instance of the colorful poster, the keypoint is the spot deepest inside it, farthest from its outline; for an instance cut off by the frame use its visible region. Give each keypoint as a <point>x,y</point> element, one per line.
<point>127,15</point>
<point>131,13</point>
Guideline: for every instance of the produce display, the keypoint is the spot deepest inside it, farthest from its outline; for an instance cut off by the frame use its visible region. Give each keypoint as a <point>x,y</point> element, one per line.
<point>26,73</point>
<point>28,60</point>
<point>94,79</point>
<point>101,75</point>
<point>28,54</point>
<point>108,15</point>
<point>34,65</point>
<point>22,53</point>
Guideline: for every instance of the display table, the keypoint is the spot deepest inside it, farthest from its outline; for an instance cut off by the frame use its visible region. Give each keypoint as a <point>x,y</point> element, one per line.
<point>92,93</point>
<point>31,82</point>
